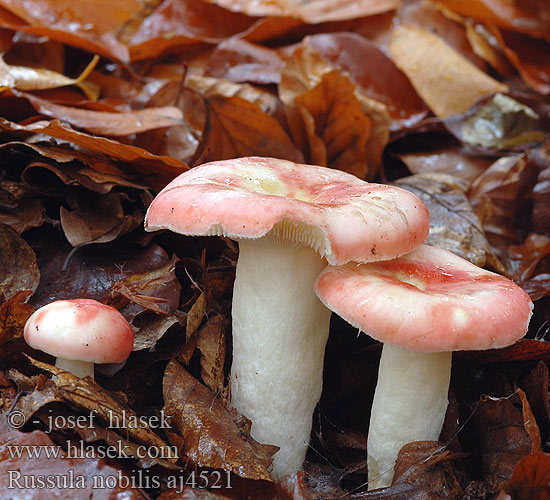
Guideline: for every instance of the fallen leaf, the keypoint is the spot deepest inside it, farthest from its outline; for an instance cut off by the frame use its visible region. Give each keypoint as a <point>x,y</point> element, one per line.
<point>531,478</point>
<point>176,23</point>
<point>164,168</point>
<point>236,127</point>
<point>14,313</point>
<point>448,82</point>
<point>67,474</point>
<point>26,78</point>
<point>239,61</point>
<point>205,432</point>
<point>316,11</point>
<point>502,435</point>
<point>449,160</point>
<point>108,124</point>
<point>91,27</point>
<point>96,219</point>
<point>374,73</point>
<point>18,267</point>
<point>87,395</point>
<point>211,344</point>
<point>525,17</point>
<point>453,224</point>
<point>501,123</point>
<point>19,209</point>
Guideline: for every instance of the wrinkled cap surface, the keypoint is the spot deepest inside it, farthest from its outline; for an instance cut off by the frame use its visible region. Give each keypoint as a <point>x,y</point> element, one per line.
<point>80,329</point>
<point>341,216</point>
<point>428,300</point>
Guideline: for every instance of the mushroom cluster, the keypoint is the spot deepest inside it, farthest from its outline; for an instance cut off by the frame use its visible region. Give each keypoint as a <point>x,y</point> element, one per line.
<point>290,220</point>
<point>314,240</point>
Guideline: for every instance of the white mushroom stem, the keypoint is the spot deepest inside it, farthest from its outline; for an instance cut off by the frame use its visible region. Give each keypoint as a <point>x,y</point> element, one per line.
<point>78,368</point>
<point>280,329</point>
<point>410,402</point>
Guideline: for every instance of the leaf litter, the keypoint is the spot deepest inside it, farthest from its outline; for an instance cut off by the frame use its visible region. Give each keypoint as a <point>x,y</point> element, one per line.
<point>101,107</point>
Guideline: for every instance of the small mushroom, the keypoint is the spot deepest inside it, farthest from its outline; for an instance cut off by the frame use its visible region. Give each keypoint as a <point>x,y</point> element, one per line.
<point>289,220</point>
<point>79,333</point>
<point>423,306</point>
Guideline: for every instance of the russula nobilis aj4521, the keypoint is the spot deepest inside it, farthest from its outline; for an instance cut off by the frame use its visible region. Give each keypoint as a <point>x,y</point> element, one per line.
<point>80,332</point>
<point>423,306</point>
<point>289,220</point>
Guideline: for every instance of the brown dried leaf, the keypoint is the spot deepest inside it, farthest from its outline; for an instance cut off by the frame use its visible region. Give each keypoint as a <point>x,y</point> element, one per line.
<point>502,435</point>
<point>237,127</point>
<point>211,344</point>
<point>499,123</point>
<point>89,26</point>
<point>316,11</point>
<point>18,267</point>
<point>157,290</point>
<point>164,168</point>
<point>14,313</point>
<point>522,350</point>
<point>89,273</point>
<point>177,23</point>
<point>374,73</point>
<point>96,219</point>
<point>18,211</point>
<point>532,18</point>
<point>240,61</point>
<point>87,395</point>
<point>205,431</point>
<point>522,260</point>
<point>328,119</point>
<point>453,224</point>
<point>108,124</point>
<point>449,160</point>
<point>68,474</point>
<point>535,385</point>
<point>26,78</point>
<point>448,82</point>
<point>531,478</point>
<point>151,330</point>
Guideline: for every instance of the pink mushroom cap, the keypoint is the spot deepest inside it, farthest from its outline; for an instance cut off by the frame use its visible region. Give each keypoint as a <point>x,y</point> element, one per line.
<point>345,217</point>
<point>429,300</point>
<point>80,329</point>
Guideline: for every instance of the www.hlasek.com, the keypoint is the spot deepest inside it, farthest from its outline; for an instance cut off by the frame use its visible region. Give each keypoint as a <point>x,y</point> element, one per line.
<point>80,449</point>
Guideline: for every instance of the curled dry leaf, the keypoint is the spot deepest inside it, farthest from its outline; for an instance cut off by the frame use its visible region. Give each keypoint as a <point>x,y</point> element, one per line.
<point>176,23</point>
<point>26,78</point>
<point>450,160</point>
<point>448,82</point>
<point>89,26</point>
<point>18,267</point>
<point>164,168</point>
<point>315,11</point>
<point>530,56</point>
<point>87,395</point>
<point>205,431</point>
<point>238,60</point>
<point>156,290</point>
<point>14,313</point>
<point>109,124</point>
<point>19,209</point>
<point>68,474</point>
<point>453,224</point>
<point>329,120</point>
<point>500,123</point>
<point>374,73</point>
<point>236,127</point>
<point>532,18</point>
<point>211,344</point>
<point>96,219</point>
<point>530,480</point>
<point>92,274</point>
<point>504,436</point>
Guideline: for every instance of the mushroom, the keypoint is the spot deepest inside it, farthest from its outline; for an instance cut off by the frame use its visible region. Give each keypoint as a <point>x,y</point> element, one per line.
<point>289,220</point>
<point>79,333</point>
<point>423,306</point>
